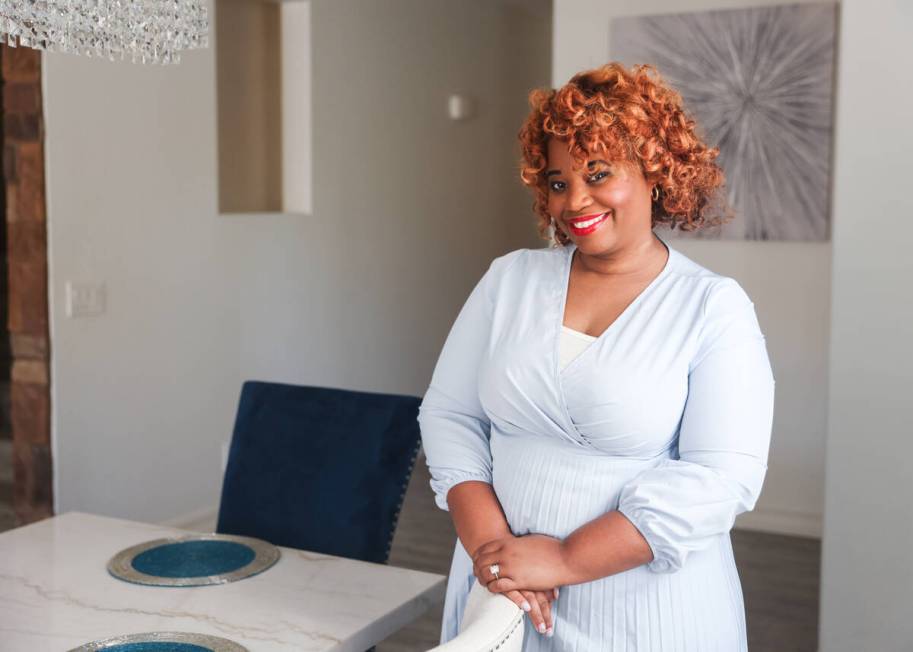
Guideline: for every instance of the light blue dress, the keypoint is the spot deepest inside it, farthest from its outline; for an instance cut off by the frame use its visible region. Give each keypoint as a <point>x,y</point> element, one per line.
<point>665,417</point>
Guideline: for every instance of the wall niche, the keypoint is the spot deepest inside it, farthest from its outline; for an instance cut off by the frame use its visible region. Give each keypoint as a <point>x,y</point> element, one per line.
<point>263,78</point>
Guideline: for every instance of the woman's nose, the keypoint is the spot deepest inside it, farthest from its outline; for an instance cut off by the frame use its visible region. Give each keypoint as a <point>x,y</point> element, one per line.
<point>578,197</point>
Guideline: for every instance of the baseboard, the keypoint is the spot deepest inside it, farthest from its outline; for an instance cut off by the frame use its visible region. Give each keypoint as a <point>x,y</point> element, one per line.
<point>778,521</point>
<point>201,520</point>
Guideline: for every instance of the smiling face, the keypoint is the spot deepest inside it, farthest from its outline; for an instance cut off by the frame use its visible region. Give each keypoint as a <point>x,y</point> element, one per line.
<point>601,207</point>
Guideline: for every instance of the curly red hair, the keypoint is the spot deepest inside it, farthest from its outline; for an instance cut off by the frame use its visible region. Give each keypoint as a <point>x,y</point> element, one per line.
<point>634,116</point>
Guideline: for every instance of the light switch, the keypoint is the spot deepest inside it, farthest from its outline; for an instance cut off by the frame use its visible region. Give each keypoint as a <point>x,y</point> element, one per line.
<point>85,299</point>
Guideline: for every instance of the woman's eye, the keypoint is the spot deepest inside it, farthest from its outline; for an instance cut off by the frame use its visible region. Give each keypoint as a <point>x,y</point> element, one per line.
<point>599,176</point>
<point>556,186</point>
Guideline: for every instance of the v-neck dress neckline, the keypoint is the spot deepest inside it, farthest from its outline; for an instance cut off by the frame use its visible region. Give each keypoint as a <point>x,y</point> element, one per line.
<point>599,339</point>
<point>572,431</point>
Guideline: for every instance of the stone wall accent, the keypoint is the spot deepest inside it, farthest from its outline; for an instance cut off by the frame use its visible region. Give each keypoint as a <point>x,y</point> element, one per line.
<point>6,360</point>
<point>23,171</point>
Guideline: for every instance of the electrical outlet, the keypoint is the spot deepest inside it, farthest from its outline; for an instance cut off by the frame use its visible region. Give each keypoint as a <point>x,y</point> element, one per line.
<point>85,299</point>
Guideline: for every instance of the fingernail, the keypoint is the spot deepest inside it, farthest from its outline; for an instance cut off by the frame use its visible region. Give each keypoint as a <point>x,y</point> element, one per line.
<point>550,632</point>
<point>541,628</point>
<point>525,606</point>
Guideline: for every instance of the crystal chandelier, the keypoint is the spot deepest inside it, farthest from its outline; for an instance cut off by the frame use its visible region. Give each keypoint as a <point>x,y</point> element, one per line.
<point>149,31</point>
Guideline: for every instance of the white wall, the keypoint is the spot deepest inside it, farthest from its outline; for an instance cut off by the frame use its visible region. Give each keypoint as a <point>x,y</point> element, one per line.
<point>409,208</point>
<point>867,569</point>
<point>789,283</point>
<point>143,395</point>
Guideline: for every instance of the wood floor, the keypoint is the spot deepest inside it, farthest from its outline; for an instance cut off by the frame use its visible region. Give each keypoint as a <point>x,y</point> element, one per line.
<point>780,576</point>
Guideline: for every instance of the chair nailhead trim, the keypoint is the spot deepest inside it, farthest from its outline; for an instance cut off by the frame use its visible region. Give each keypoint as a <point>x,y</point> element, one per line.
<point>402,499</point>
<point>507,636</point>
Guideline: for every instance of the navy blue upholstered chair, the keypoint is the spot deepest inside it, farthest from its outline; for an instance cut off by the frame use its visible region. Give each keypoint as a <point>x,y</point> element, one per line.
<point>319,469</point>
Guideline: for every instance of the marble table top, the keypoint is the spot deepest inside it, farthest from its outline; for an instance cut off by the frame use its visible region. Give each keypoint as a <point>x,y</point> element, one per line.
<point>55,594</point>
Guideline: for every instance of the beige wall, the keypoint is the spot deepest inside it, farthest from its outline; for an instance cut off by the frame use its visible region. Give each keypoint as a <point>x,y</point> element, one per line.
<point>409,208</point>
<point>789,283</point>
<point>249,95</point>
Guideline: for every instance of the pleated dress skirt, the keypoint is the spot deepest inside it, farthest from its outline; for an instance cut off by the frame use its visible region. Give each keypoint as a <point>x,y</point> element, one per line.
<point>549,487</point>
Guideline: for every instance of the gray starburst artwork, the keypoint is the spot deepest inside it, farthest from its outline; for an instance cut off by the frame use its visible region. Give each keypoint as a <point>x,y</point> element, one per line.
<point>759,83</point>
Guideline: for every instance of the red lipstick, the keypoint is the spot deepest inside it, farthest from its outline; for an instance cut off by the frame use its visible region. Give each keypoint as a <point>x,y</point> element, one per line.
<point>586,224</point>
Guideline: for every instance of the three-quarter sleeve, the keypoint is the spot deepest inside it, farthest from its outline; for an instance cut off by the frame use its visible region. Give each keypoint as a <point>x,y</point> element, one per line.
<point>455,430</point>
<point>682,505</point>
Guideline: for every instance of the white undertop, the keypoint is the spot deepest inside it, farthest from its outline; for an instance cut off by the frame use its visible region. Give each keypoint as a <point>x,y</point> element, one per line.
<point>572,344</point>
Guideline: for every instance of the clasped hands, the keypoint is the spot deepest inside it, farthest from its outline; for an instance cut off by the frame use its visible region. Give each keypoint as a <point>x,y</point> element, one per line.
<point>530,570</point>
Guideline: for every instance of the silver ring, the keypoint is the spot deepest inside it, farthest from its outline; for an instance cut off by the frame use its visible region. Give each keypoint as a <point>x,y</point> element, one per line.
<point>495,569</point>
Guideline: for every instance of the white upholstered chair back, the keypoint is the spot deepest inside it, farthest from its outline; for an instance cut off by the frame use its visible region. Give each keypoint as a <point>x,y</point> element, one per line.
<point>491,623</point>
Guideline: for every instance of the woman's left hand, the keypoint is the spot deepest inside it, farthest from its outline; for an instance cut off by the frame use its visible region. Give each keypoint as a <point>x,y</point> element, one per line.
<point>533,562</point>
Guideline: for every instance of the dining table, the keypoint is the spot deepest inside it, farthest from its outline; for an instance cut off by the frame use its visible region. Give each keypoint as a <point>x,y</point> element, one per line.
<point>56,594</point>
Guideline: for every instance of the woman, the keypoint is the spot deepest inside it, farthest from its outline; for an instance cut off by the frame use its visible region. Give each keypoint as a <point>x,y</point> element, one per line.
<point>601,410</point>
